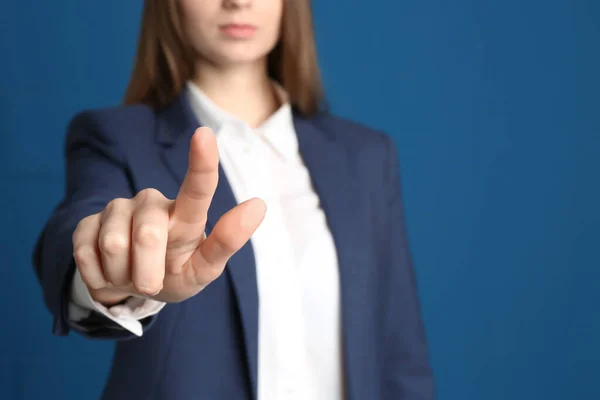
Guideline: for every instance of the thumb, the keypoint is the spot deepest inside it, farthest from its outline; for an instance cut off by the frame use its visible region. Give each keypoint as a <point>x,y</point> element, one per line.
<point>229,235</point>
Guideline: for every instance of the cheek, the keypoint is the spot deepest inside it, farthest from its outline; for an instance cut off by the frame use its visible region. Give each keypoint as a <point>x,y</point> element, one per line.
<point>198,20</point>
<point>272,27</point>
<point>198,36</point>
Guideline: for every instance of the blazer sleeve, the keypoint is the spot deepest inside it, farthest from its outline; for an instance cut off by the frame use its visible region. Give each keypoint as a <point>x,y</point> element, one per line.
<point>95,174</point>
<point>406,370</point>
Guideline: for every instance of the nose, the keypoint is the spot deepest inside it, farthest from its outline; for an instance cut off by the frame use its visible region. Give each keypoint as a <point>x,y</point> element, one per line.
<point>233,4</point>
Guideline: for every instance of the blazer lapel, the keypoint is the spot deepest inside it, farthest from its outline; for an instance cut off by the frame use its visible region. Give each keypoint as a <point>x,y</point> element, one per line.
<point>336,182</point>
<point>179,124</point>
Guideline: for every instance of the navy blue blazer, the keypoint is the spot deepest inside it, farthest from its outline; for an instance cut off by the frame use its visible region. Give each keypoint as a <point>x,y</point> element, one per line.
<point>206,346</point>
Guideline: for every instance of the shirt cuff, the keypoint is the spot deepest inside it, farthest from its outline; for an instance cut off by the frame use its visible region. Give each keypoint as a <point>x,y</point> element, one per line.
<point>127,315</point>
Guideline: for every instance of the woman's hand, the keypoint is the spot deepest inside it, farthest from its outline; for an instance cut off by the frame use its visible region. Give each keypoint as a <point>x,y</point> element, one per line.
<point>151,246</point>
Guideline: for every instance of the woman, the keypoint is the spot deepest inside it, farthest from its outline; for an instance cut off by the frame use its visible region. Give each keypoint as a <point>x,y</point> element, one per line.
<point>320,304</point>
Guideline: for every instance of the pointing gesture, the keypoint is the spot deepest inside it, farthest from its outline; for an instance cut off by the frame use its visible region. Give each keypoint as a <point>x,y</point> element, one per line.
<point>152,246</point>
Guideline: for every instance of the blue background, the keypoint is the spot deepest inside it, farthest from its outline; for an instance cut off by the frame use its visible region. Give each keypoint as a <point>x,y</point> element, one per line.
<point>495,109</point>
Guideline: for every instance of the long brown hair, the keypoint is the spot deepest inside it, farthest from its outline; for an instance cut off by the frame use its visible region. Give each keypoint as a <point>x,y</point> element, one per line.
<point>164,61</point>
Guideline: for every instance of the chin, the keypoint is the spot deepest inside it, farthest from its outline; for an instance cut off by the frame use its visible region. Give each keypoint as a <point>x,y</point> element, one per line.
<point>241,54</point>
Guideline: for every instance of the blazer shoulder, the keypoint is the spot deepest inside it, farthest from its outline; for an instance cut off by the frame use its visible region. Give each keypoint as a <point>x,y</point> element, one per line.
<point>354,133</point>
<point>108,124</point>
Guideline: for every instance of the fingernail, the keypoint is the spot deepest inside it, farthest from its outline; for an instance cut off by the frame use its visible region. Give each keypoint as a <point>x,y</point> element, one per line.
<point>146,291</point>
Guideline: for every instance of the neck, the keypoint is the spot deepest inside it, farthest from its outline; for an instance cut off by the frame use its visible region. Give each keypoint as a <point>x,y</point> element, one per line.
<point>243,91</point>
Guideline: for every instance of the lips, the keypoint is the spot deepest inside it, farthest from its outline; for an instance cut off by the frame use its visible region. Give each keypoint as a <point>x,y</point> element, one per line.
<point>238,31</point>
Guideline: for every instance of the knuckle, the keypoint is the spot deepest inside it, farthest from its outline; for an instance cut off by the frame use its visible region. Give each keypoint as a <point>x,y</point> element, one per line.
<point>84,255</point>
<point>194,192</point>
<point>83,224</point>
<point>148,235</point>
<point>112,243</point>
<point>149,194</point>
<point>224,247</point>
<point>116,204</point>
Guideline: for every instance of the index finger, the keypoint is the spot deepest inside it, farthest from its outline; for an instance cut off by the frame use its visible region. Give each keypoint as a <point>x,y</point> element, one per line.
<point>200,182</point>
